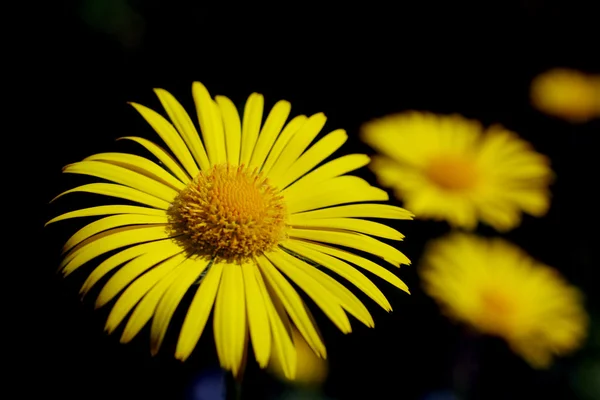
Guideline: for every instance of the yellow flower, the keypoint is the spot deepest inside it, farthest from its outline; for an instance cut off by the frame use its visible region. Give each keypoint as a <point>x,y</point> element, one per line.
<point>236,216</point>
<point>450,168</point>
<point>568,94</point>
<point>311,371</point>
<point>496,288</point>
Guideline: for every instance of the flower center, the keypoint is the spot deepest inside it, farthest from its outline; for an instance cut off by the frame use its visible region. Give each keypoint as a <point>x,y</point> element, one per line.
<point>451,173</point>
<point>497,312</point>
<point>230,213</point>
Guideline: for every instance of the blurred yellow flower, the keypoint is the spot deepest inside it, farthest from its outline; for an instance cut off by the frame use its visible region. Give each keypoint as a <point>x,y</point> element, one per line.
<point>568,94</point>
<point>499,290</point>
<point>451,168</point>
<point>235,214</point>
<point>311,370</point>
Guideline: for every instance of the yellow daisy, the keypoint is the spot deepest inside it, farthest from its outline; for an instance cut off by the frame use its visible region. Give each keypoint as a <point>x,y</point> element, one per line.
<point>236,215</point>
<point>451,168</point>
<point>498,289</point>
<point>568,94</point>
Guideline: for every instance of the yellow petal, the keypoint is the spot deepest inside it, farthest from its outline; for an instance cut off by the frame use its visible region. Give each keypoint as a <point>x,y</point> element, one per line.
<point>230,318</point>
<point>113,262</point>
<point>341,268</point>
<point>271,129</point>
<point>297,144</point>
<point>340,190</point>
<point>132,295</point>
<point>168,160</point>
<point>233,129</point>
<point>313,156</point>
<point>185,126</point>
<point>348,224</point>
<point>120,191</point>
<point>357,211</point>
<point>140,165</point>
<point>146,308</point>
<point>359,261</point>
<point>258,317</point>
<point>210,124</point>
<point>327,302</point>
<point>283,347</point>
<point>108,241</point>
<point>345,297</point>
<point>284,137</point>
<point>199,311</point>
<point>134,268</point>
<point>327,171</point>
<point>111,222</point>
<point>170,136</point>
<point>355,241</point>
<point>170,300</point>
<point>123,176</point>
<point>253,112</point>
<point>293,305</point>
<point>107,210</point>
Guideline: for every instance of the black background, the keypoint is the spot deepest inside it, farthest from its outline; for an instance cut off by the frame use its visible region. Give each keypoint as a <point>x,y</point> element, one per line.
<point>354,63</point>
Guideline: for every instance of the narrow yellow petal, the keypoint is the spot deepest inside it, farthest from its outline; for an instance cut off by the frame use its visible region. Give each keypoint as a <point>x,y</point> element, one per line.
<point>210,124</point>
<point>113,262</point>
<point>258,317</point>
<point>293,305</point>
<point>346,298</point>
<point>123,176</point>
<point>198,313</point>
<point>108,241</point>
<point>185,126</point>
<point>341,268</point>
<point>313,156</point>
<point>359,261</point>
<point>230,318</point>
<point>253,112</point>
<point>134,268</point>
<point>163,156</point>
<point>353,240</point>
<point>120,191</point>
<point>233,129</point>
<point>140,165</point>
<point>340,190</point>
<point>357,211</point>
<point>347,224</point>
<point>138,289</point>
<point>284,137</point>
<point>325,300</point>
<point>111,222</point>
<point>283,347</point>
<point>170,136</point>
<point>327,171</point>
<point>271,129</point>
<point>107,210</point>
<point>146,308</point>
<point>171,299</point>
<point>296,146</point>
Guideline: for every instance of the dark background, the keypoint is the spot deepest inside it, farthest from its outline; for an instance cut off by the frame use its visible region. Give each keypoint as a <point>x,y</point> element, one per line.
<point>354,64</point>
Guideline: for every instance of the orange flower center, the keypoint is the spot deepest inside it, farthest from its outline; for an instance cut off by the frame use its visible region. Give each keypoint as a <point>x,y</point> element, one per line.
<point>497,312</point>
<point>451,173</point>
<point>230,213</point>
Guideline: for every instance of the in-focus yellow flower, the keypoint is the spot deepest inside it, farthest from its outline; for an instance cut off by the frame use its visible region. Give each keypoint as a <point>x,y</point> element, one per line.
<point>498,289</point>
<point>568,94</point>
<point>451,168</point>
<point>236,217</point>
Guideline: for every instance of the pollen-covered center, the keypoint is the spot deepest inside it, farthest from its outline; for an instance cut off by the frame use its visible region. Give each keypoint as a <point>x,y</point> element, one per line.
<point>230,213</point>
<point>452,173</point>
